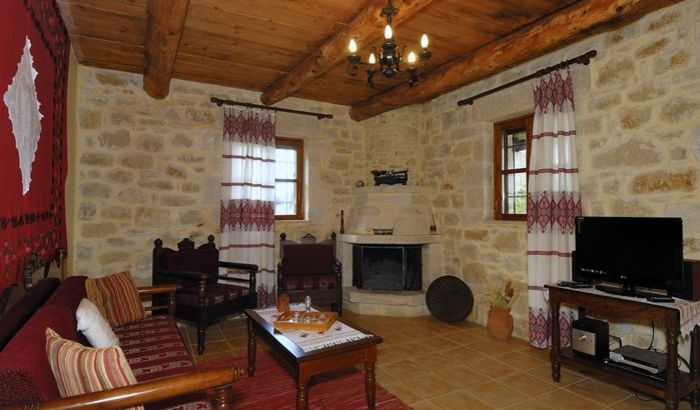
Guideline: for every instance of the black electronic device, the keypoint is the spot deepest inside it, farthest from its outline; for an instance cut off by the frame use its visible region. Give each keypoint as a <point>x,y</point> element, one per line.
<point>590,338</point>
<point>574,285</point>
<point>661,299</point>
<point>691,281</point>
<point>640,359</point>
<point>630,251</point>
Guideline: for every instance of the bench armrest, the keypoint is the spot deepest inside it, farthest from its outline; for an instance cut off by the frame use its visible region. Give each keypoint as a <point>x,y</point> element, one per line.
<point>170,289</point>
<point>147,392</point>
<point>185,275</point>
<point>236,265</point>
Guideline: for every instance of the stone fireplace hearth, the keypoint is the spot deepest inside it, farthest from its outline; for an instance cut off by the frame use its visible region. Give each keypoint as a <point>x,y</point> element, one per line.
<point>406,209</point>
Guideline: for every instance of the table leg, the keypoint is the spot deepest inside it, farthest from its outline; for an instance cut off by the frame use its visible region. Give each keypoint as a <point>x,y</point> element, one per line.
<point>694,366</point>
<point>370,384</point>
<point>303,378</point>
<point>672,362</point>
<point>556,343</point>
<point>251,348</point>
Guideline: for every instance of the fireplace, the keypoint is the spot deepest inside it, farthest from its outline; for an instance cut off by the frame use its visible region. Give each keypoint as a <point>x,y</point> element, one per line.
<point>387,267</point>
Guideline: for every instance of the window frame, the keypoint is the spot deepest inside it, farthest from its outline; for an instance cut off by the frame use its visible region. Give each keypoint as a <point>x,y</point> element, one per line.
<point>298,145</point>
<point>499,130</point>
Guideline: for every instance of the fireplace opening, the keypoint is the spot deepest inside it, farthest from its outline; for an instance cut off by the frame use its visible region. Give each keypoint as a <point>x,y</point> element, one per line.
<point>387,267</point>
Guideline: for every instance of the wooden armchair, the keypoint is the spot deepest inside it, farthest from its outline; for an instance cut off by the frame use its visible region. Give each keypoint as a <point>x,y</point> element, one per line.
<point>203,299</point>
<point>307,268</point>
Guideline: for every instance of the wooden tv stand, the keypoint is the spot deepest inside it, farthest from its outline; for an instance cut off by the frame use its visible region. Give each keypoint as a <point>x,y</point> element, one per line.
<point>678,384</point>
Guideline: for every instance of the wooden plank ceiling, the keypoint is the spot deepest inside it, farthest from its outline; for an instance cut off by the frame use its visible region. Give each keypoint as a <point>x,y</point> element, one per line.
<point>253,44</point>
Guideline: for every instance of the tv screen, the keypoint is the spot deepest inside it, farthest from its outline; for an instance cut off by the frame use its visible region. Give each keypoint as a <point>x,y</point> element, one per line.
<point>645,252</point>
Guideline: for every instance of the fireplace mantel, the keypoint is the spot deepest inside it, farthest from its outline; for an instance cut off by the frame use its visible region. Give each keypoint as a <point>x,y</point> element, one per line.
<point>391,239</point>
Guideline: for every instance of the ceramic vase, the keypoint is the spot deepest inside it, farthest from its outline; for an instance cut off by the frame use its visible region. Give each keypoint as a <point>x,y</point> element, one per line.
<point>500,323</point>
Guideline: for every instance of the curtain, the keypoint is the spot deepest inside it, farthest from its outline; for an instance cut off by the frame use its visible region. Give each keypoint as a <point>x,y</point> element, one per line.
<point>248,194</point>
<point>553,201</point>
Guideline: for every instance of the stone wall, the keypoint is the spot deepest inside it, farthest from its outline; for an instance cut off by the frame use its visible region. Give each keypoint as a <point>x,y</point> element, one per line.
<point>150,168</point>
<point>638,146</point>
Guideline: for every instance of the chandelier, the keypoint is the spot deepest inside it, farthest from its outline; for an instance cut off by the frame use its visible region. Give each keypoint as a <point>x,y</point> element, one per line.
<point>390,60</point>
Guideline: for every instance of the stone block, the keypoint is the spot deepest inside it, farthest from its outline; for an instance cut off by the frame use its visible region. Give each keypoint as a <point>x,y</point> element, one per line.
<point>156,184</point>
<point>96,159</point>
<point>192,217</point>
<point>652,48</point>
<point>132,196</point>
<point>618,71</point>
<point>177,200</point>
<point>632,118</point>
<point>189,187</point>
<point>506,241</point>
<point>112,257</point>
<point>679,109</point>
<point>664,181</point>
<point>146,217</point>
<point>121,118</point>
<point>119,176</point>
<point>137,161</point>
<point>664,21</point>
<point>633,152</point>
<point>115,139</point>
<point>632,207</point>
<point>95,190</point>
<point>150,143</point>
<point>86,211</point>
<point>97,229</point>
<point>476,234</point>
<point>200,116</point>
<point>646,92</point>
<point>110,79</point>
<point>190,159</point>
<point>116,212</point>
<point>176,172</point>
<point>89,119</point>
<point>182,141</point>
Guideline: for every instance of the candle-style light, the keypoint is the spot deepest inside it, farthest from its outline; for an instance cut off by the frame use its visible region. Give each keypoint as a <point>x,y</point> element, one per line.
<point>388,59</point>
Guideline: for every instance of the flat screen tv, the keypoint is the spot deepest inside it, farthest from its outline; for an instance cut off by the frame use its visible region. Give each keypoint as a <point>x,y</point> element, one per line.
<point>632,252</point>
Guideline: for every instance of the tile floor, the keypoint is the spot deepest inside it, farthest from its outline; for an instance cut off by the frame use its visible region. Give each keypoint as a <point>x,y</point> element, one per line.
<point>434,365</point>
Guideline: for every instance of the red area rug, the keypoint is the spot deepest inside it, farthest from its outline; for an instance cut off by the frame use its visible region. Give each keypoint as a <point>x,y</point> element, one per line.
<point>273,387</point>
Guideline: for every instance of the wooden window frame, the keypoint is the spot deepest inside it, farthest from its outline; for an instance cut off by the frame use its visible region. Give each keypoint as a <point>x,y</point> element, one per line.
<point>298,145</point>
<point>499,130</point>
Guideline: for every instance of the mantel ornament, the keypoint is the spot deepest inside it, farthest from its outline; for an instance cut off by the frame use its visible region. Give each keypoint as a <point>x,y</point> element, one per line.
<point>382,177</point>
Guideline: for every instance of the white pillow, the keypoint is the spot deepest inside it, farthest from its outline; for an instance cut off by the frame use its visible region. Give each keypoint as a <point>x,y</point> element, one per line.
<point>95,327</point>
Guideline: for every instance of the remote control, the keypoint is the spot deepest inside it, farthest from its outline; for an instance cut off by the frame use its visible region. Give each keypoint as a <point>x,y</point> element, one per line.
<point>661,299</point>
<point>575,285</point>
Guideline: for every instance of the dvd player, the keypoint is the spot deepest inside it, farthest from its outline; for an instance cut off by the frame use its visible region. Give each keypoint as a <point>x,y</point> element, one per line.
<point>642,359</point>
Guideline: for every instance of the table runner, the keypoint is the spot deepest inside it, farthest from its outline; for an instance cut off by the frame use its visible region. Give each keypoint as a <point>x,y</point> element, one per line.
<point>690,311</point>
<point>307,341</point>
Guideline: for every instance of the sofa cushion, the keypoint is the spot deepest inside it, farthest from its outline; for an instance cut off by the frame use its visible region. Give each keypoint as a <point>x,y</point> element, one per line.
<point>17,388</point>
<point>17,315</point>
<point>93,326</point>
<point>216,293</point>
<point>315,282</point>
<point>27,349</point>
<point>70,293</point>
<point>116,297</point>
<point>154,349</point>
<point>79,369</point>
<point>308,259</point>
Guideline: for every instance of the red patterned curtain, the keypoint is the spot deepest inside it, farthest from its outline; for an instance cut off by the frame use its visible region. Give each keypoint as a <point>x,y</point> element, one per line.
<point>34,43</point>
<point>553,201</point>
<point>248,194</point>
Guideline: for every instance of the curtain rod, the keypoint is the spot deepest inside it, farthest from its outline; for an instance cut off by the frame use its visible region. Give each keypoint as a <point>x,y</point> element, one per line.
<point>219,102</point>
<point>582,59</point>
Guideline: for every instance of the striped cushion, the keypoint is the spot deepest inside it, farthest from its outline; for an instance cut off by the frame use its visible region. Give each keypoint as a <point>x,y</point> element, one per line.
<point>116,298</point>
<point>79,369</point>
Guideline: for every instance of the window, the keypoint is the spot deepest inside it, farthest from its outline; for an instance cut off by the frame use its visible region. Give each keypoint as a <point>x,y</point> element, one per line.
<point>289,178</point>
<point>511,159</point>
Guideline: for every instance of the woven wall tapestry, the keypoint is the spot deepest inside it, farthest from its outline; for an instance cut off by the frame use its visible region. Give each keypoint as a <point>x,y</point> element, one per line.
<point>34,49</point>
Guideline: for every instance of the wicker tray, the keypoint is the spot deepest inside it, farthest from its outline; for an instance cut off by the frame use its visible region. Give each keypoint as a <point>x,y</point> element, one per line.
<point>324,320</point>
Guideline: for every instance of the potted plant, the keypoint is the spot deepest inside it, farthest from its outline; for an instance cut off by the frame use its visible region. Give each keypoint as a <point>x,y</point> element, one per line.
<point>500,323</point>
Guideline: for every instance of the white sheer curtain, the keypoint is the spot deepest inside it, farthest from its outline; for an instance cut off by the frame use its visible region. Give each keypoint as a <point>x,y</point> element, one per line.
<point>248,194</point>
<point>553,201</point>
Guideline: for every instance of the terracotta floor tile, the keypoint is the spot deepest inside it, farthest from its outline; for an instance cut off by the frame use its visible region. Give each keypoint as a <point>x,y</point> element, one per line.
<point>433,362</point>
<point>494,347</point>
<point>401,369</point>
<point>544,372</point>
<point>408,349</point>
<point>531,404</point>
<point>601,393</point>
<point>464,337</point>
<point>634,403</point>
<point>492,368</point>
<point>527,384</point>
<point>424,405</point>
<point>463,375</point>
<point>497,395</point>
<point>403,392</point>
<point>540,354</point>
<point>560,397</point>
<point>519,360</point>
<point>459,399</point>
<point>440,344</point>
<point>387,355</point>
<point>463,355</point>
<point>429,385</point>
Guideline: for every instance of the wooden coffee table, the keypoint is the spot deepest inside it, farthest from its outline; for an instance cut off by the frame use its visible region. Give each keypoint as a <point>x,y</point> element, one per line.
<point>307,364</point>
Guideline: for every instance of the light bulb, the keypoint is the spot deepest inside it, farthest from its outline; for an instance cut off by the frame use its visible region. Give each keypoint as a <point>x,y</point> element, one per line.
<point>352,46</point>
<point>411,57</point>
<point>424,41</point>
<point>388,33</point>
<point>372,59</point>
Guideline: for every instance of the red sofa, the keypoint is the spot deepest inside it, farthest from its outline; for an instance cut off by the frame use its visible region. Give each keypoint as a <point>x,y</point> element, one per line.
<point>153,347</point>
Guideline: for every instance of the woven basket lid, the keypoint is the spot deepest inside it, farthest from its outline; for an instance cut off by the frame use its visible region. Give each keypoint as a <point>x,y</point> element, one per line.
<point>449,299</point>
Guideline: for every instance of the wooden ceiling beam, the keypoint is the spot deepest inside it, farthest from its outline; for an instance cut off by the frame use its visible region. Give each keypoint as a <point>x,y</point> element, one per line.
<point>542,36</point>
<point>166,21</point>
<point>364,26</point>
